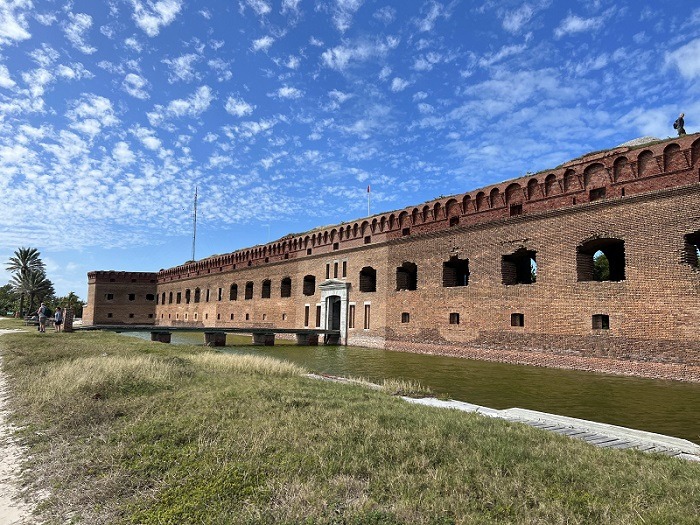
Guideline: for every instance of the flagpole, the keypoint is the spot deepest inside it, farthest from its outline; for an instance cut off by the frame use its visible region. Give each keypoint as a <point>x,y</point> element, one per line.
<point>194,223</point>
<point>368,194</point>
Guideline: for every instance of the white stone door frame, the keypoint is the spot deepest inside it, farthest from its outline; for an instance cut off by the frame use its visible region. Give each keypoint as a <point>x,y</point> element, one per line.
<point>331,288</point>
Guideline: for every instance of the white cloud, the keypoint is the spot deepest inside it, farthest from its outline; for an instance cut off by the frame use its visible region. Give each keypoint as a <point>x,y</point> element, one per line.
<point>5,79</point>
<point>193,106</point>
<point>686,59</point>
<point>223,73</point>
<point>147,137</point>
<point>45,56</point>
<point>13,21</point>
<point>287,92</point>
<point>261,7</point>
<point>293,62</point>
<point>399,84</point>
<point>181,68</point>
<point>428,22</point>
<point>575,24</point>
<point>386,14</point>
<point>425,108</point>
<point>502,53</point>
<point>341,56</point>
<point>76,28</point>
<point>91,113</point>
<point>136,86</point>
<point>343,12</point>
<point>133,43</point>
<point>263,44</point>
<point>339,96</point>
<point>426,62</point>
<point>122,154</point>
<point>420,95</point>
<point>73,72</point>
<point>290,6</point>
<point>513,21</point>
<point>153,16</point>
<point>238,107</point>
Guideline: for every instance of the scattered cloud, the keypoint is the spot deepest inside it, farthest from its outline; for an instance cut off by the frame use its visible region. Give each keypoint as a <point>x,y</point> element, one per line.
<point>263,44</point>
<point>13,21</point>
<point>182,68</point>
<point>287,92</point>
<point>238,107</point>
<point>75,30</point>
<point>343,13</point>
<point>399,84</point>
<point>153,16</point>
<point>136,86</point>
<point>686,59</point>
<point>192,106</point>
<point>574,24</point>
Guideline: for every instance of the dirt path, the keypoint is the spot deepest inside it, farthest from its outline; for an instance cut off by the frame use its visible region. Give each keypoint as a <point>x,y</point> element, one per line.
<point>12,510</point>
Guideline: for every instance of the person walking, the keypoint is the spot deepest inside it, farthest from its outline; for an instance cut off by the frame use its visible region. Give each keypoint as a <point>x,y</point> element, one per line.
<point>41,312</point>
<point>679,124</point>
<point>58,319</point>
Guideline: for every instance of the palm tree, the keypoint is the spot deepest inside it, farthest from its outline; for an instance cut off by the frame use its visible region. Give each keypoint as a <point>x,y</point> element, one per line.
<point>21,264</point>
<point>34,284</point>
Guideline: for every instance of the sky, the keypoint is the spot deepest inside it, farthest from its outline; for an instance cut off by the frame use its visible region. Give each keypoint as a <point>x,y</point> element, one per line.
<point>283,112</point>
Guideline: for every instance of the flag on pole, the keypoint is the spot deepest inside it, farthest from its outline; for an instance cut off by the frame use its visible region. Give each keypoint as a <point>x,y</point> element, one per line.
<point>368,188</point>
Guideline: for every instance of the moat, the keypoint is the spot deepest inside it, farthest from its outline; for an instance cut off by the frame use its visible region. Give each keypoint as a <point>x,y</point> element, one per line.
<point>664,407</point>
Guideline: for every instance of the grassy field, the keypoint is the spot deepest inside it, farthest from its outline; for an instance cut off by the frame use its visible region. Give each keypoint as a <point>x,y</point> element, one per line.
<point>127,431</point>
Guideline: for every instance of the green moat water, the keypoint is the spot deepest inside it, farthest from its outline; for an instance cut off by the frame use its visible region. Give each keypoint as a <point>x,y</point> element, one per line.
<point>665,407</point>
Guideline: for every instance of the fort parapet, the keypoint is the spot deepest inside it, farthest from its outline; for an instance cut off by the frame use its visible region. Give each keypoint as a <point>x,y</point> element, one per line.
<point>506,272</point>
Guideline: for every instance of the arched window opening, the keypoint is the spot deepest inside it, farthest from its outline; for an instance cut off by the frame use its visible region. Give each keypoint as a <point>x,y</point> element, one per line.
<point>286,287</point>
<point>248,291</point>
<point>233,293</point>
<point>691,253</point>
<point>519,267</point>
<point>188,295</point>
<point>570,181</point>
<point>495,198</point>
<point>674,158</point>
<point>646,164</point>
<point>621,169</point>
<point>533,189</point>
<point>550,184</point>
<point>368,279</point>
<point>170,298</point>
<point>162,300</point>
<point>455,272</point>
<point>480,201</point>
<point>266,289</point>
<point>595,176</point>
<point>407,276</point>
<point>695,152</point>
<point>601,260</point>
<point>309,287</point>
<point>197,295</point>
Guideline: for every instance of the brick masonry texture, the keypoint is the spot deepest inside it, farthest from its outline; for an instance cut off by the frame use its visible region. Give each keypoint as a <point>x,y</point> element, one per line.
<point>638,205</point>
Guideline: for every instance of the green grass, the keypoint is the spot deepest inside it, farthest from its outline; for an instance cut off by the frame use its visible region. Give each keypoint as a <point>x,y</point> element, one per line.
<point>127,431</point>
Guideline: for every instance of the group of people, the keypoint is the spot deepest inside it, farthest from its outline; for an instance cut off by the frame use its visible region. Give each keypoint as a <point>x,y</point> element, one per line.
<point>43,313</point>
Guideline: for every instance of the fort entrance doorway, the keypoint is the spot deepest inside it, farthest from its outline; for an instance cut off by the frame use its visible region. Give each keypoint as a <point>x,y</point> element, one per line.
<point>334,307</point>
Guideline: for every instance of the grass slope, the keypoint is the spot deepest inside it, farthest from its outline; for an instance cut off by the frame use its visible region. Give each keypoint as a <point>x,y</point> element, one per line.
<point>131,432</point>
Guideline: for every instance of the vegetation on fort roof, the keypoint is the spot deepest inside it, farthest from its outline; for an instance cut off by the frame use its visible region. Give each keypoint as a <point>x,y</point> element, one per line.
<point>122,430</point>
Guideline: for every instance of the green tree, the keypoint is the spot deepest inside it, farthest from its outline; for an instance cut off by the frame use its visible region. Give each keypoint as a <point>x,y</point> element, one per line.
<point>33,284</point>
<point>24,261</point>
<point>70,301</point>
<point>601,267</point>
<point>8,298</point>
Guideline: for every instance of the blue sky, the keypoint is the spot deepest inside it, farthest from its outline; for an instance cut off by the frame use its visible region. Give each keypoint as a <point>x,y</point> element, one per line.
<point>282,112</point>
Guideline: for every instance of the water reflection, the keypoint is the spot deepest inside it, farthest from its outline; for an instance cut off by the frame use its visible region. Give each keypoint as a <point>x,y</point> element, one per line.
<point>665,407</point>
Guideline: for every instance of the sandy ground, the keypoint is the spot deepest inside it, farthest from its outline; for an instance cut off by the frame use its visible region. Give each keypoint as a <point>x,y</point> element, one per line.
<point>12,510</point>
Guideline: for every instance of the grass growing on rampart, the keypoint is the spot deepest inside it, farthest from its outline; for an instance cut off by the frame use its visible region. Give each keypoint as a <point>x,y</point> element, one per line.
<point>122,430</point>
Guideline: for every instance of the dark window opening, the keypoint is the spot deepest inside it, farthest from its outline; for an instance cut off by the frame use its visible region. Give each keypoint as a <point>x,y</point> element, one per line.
<point>188,296</point>
<point>250,263</point>
<point>150,297</point>
<point>601,260</point>
<point>307,309</point>
<point>309,287</point>
<point>286,287</point>
<point>248,291</point>
<point>318,316</point>
<point>406,231</point>
<point>132,297</point>
<point>150,316</point>
<point>266,289</point>
<point>601,322</point>
<point>178,298</point>
<point>455,272</point>
<point>197,295</point>
<point>407,276</point>
<point>247,317</point>
<point>308,251</point>
<point>345,268</point>
<point>596,194</point>
<point>368,279</point>
<point>220,294</point>
<point>368,239</point>
<point>454,221</point>
<point>109,315</point>
<point>267,259</point>
<point>109,296</point>
<point>517,319</point>
<point>328,270</point>
<point>336,245</point>
<point>454,318</point>
<point>207,296</point>
<point>516,209</point>
<point>131,316</point>
<point>231,317</point>
<point>335,270</point>
<point>367,316</point>
<point>519,267</point>
<point>691,253</point>
<point>405,317</point>
<point>233,293</point>
<point>170,298</point>
<point>218,317</point>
